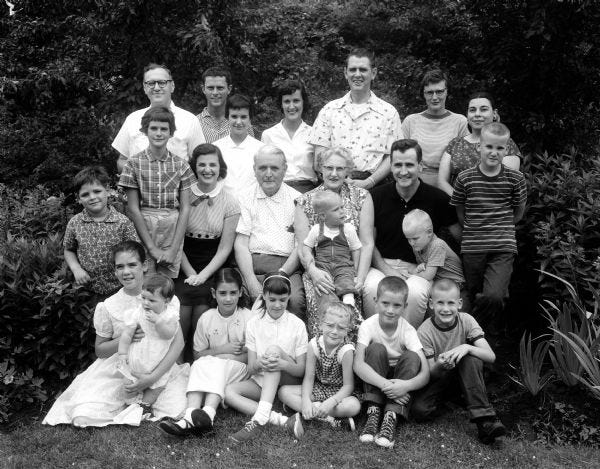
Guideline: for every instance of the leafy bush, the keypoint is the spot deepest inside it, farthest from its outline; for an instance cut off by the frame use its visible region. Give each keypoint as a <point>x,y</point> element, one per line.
<point>563,423</point>
<point>531,363</point>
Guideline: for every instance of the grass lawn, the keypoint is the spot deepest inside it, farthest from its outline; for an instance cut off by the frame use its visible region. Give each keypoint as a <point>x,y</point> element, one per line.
<point>448,443</point>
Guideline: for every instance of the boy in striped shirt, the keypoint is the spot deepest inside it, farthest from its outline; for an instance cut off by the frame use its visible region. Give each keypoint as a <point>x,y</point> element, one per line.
<point>489,199</point>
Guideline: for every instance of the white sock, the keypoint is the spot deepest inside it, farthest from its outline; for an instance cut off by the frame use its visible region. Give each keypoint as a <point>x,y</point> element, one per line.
<point>329,418</point>
<point>210,412</point>
<point>187,418</point>
<point>348,299</point>
<point>261,416</point>
<point>277,419</point>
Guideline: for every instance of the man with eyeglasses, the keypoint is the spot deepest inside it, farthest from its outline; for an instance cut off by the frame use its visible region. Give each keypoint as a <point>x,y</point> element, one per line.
<point>360,122</point>
<point>434,127</point>
<point>158,86</point>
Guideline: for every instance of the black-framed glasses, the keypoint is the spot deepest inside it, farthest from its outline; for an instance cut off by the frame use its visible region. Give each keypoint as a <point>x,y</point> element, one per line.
<point>160,83</point>
<point>431,93</point>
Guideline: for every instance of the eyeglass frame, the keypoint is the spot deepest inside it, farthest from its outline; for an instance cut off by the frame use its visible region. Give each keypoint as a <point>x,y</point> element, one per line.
<point>432,93</point>
<point>153,83</point>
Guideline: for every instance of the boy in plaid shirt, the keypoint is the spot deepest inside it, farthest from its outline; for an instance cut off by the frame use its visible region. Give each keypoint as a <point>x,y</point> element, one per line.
<point>157,184</point>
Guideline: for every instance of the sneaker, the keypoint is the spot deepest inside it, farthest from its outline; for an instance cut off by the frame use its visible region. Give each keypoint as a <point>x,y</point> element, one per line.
<point>373,416</point>
<point>201,420</point>
<point>385,437</point>
<point>343,423</point>
<point>489,430</point>
<point>250,431</point>
<point>294,426</point>
<point>174,428</point>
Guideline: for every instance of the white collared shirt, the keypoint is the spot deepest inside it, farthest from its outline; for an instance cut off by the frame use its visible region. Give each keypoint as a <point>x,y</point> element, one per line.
<point>288,332</point>
<point>367,130</point>
<point>188,134</point>
<point>268,221</point>
<point>299,154</point>
<point>240,162</point>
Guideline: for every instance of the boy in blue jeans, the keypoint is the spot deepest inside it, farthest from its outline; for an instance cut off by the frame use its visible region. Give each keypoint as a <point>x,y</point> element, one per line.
<point>157,184</point>
<point>91,234</point>
<point>456,349</point>
<point>389,359</point>
<point>489,199</point>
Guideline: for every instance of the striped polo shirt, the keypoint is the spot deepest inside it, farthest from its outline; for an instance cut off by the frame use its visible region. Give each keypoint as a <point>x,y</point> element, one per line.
<point>489,208</point>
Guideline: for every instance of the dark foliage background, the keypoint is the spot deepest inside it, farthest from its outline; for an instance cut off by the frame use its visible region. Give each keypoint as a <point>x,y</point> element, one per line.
<point>71,72</point>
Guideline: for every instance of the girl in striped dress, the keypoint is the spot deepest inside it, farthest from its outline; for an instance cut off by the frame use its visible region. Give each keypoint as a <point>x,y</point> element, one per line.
<point>327,390</point>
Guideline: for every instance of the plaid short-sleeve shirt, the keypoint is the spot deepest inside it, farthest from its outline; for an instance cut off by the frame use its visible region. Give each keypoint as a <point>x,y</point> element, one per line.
<point>158,180</point>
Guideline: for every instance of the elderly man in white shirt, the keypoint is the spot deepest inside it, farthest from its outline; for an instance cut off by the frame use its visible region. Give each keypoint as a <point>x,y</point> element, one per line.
<point>265,237</point>
<point>158,86</point>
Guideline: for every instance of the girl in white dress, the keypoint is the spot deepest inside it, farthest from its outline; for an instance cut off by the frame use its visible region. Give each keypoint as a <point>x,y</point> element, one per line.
<point>159,323</point>
<point>97,396</point>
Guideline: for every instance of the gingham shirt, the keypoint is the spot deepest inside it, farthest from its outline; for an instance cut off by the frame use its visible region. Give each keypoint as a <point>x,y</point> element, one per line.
<point>158,180</point>
<point>214,129</point>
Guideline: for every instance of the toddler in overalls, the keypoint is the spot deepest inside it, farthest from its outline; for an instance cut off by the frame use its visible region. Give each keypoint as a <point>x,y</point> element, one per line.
<point>336,248</point>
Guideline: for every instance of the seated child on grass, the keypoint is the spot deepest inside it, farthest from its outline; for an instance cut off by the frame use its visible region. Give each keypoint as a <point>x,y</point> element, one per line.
<point>489,199</point>
<point>390,361</point>
<point>91,234</point>
<point>159,322</point>
<point>157,184</point>
<point>276,341</point>
<point>328,385</point>
<point>456,349</point>
<point>336,247</point>
<point>220,353</point>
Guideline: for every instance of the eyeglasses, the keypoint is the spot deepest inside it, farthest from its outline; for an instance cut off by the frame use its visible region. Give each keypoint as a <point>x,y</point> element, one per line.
<point>431,93</point>
<point>160,83</point>
<point>336,168</point>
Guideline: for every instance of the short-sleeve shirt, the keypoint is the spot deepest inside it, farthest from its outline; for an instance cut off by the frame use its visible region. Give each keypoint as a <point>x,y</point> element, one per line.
<point>268,221</point>
<point>93,240</point>
<point>158,180</point>
<point>390,209</point>
<point>340,351</point>
<point>404,337</point>
<point>349,231</point>
<point>111,314</point>
<point>437,340</point>
<point>438,254</point>
<point>214,129</point>
<point>214,330</point>
<point>188,134</point>
<point>489,203</point>
<point>288,332</point>
<point>240,163</point>
<point>433,133</point>
<point>299,153</point>
<point>367,130</point>
<point>208,215</point>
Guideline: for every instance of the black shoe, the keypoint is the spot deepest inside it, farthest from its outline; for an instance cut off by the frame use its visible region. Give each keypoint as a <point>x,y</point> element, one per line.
<point>201,420</point>
<point>172,428</point>
<point>489,430</point>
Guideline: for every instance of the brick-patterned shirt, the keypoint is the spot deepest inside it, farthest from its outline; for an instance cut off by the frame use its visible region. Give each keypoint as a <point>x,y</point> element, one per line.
<point>93,240</point>
<point>158,180</point>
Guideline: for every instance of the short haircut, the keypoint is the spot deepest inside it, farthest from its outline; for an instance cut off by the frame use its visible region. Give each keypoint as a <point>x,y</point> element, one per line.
<point>239,101</point>
<point>290,87</point>
<point>394,285</point>
<point>217,72</point>
<point>324,200</point>
<point>417,218</point>
<point>129,246</point>
<point>483,95</point>
<point>405,144</point>
<point>337,308</point>
<point>91,175</point>
<point>444,285</point>
<point>271,150</point>
<point>158,114</point>
<point>153,65</point>
<point>361,52</point>
<point>229,275</point>
<point>495,128</point>
<point>335,151</point>
<point>207,149</point>
<point>161,283</point>
<point>433,76</point>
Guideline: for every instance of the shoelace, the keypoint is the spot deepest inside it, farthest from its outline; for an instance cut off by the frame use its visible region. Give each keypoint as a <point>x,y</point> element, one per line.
<point>251,425</point>
<point>372,421</point>
<point>388,426</point>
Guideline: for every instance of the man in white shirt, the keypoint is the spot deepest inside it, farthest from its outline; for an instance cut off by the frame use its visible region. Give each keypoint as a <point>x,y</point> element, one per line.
<point>158,86</point>
<point>265,238</point>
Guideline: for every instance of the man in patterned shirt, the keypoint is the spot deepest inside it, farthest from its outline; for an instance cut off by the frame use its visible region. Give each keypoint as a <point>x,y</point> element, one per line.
<point>216,86</point>
<point>265,238</point>
<point>360,122</point>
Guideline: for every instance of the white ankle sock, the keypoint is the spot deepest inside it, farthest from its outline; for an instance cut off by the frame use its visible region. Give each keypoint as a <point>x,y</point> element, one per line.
<point>275,418</point>
<point>210,412</point>
<point>261,416</point>
<point>348,299</point>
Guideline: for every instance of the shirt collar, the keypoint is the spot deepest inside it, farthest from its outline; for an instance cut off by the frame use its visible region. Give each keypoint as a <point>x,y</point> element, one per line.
<point>445,329</point>
<point>277,197</point>
<point>269,319</point>
<point>199,196</point>
<point>151,157</point>
<point>110,216</point>
<point>372,102</point>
